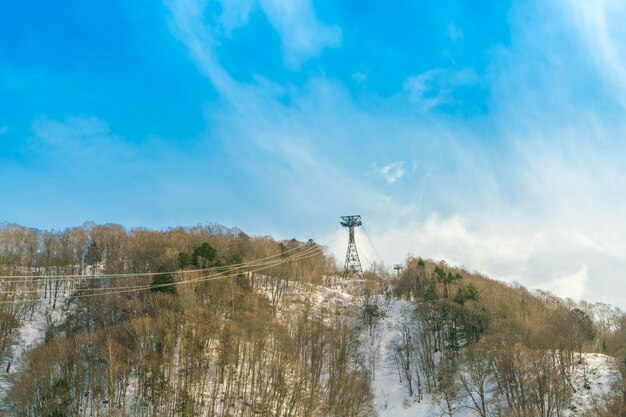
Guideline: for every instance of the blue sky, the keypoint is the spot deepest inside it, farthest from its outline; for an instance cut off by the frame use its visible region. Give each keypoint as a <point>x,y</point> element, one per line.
<point>487,134</point>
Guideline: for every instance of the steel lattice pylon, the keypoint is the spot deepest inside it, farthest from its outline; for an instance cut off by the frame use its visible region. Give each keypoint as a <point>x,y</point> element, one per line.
<point>353,263</point>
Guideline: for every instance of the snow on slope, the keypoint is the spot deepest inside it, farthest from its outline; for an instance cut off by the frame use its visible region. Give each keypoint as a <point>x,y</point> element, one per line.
<point>391,398</point>
<point>592,378</point>
<point>30,333</point>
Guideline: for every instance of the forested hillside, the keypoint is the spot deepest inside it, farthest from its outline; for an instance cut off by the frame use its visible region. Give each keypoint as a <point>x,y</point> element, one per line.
<point>503,349</point>
<point>100,320</point>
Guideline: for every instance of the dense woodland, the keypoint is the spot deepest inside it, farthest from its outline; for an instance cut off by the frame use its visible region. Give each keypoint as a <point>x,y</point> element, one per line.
<point>204,321</point>
<point>476,334</point>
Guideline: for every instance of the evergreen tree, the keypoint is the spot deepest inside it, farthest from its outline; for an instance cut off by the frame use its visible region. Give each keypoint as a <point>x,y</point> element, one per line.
<point>184,259</point>
<point>467,292</point>
<point>93,254</point>
<point>204,256</point>
<point>163,282</point>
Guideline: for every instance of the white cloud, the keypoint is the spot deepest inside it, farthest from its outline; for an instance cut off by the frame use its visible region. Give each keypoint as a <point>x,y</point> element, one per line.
<point>74,130</point>
<point>546,212</point>
<point>187,24</point>
<point>434,87</point>
<point>454,33</point>
<point>550,204</point>
<point>235,13</point>
<point>510,248</point>
<point>599,25</point>
<point>359,77</point>
<point>302,35</point>
<point>78,137</point>
<point>392,172</point>
<point>572,285</point>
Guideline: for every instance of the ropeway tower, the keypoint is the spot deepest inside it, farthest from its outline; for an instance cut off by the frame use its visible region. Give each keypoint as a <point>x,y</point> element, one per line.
<point>353,263</point>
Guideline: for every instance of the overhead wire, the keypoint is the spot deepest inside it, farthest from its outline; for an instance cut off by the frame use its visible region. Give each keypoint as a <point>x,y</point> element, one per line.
<point>256,262</point>
<point>232,270</point>
<point>371,244</point>
<point>80,277</point>
<point>146,287</point>
<point>210,277</point>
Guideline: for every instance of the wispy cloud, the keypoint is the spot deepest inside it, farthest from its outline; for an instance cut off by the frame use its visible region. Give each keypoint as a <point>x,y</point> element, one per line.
<point>551,217</point>
<point>434,87</point>
<point>235,13</point>
<point>302,35</point>
<point>359,77</point>
<point>454,33</point>
<point>188,25</point>
<point>530,191</point>
<point>599,25</point>
<point>544,208</point>
<point>392,172</point>
<point>572,285</point>
<point>78,137</point>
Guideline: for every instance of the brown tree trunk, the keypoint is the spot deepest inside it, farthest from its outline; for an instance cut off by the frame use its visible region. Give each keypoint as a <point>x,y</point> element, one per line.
<point>623,413</point>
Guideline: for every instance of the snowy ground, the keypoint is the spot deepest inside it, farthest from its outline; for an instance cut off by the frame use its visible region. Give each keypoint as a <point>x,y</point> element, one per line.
<point>31,332</point>
<point>391,398</point>
<point>592,378</point>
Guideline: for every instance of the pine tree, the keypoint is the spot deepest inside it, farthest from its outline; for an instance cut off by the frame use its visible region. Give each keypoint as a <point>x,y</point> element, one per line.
<point>204,256</point>
<point>163,282</point>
